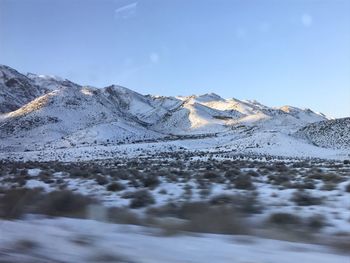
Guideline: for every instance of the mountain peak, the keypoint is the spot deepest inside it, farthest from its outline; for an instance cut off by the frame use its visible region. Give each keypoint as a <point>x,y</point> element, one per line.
<point>44,77</point>
<point>208,97</point>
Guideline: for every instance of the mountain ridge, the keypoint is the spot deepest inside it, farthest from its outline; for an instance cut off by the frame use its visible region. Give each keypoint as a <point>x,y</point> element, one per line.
<point>61,113</point>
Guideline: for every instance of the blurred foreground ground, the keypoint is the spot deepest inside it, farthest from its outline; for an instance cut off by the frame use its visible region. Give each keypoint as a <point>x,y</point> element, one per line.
<point>83,240</point>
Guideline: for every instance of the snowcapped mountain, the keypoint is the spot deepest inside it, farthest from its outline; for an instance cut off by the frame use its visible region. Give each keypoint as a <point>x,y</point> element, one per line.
<point>62,114</point>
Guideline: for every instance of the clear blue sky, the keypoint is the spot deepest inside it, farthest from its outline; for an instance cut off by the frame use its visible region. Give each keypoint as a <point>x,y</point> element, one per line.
<point>294,52</point>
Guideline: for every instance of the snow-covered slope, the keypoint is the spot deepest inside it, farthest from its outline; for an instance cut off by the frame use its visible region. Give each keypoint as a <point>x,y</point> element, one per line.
<point>71,116</point>
<point>191,116</point>
<point>147,109</point>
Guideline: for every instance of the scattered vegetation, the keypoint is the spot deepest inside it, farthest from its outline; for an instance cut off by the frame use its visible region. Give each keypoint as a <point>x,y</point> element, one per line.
<point>14,203</point>
<point>220,194</point>
<point>115,186</point>
<point>201,217</point>
<point>303,198</point>
<point>140,198</point>
<point>284,220</point>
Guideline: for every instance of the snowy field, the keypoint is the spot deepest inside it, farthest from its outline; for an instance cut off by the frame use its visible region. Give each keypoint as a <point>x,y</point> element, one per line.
<point>260,144</point>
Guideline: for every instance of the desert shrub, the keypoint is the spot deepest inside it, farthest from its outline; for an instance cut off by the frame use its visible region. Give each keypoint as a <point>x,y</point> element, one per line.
<point>248,203</point>
<point>141,198</point>
<point>202,183</point>
<point>219,220</point>
<point>127,195</point>
<point>119,173</point>
<point>243,181</point>
<point>16,202</point>
<point>326,177</point>
<point>252,173</point>
<point>167,210</point>
<point>280,167</point>
<point>187,194</point>
<point>279,179</point>
<point>163,191</point>
<point>316,222</point>
<point>284,219</point>
<point>263,171</point>
<point>243,203</point>
<point>315,174</point>
<point>299,164</point>
<point>205,192</point>
<point>203,217</point>
<point>306,184</point>
<point>347,188</point>
<point>78,172</point>
<point>331,177</point>
<point>150,181</point>
<point>20,180</point>
<point>46,176</point>
<point>211,175</point>
<point>341,244</point>
<point>97,169</point>
<point>134,183</point>
<point>64,203</point>
<point>329,186</point>
<point>115,186</point>
<point>222,199</point>
<point>303,198</point>
<point>101,180</point>
<point>171,177</point>
<point>23,172</point>
<point>233,173</point>
<point>123,216</point>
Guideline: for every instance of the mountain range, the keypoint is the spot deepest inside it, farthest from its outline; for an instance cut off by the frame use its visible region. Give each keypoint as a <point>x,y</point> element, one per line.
<point>40,112</point>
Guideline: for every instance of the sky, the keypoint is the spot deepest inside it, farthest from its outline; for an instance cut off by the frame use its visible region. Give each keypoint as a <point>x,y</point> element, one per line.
<point>290,52</point>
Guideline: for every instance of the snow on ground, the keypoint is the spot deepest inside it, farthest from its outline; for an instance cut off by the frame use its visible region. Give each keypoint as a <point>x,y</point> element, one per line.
<point>74,240</point>
<point>264,143</point>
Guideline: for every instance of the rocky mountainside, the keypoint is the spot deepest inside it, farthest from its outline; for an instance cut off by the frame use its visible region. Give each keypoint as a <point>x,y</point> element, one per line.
<point>328,134</point>
<point>16,89</point>
<point>50,82</point>
<point>46,112</point>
